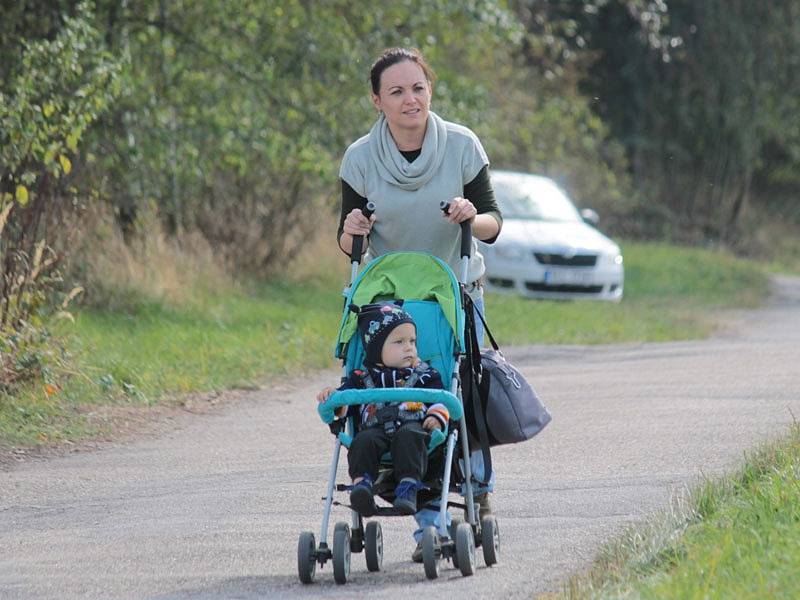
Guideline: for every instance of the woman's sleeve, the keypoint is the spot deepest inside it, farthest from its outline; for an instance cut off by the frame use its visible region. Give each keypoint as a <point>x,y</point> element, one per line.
<point>479,191</point>
<point>350,200</point>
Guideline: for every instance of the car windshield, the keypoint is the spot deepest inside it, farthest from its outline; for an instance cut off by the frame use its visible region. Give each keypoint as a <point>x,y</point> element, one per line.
<point>534,198</point>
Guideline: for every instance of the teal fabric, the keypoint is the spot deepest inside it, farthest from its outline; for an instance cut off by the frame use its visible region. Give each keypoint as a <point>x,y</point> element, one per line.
<point>407,276</point>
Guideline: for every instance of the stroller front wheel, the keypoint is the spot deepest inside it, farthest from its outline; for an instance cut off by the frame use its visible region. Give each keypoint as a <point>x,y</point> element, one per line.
<point>490,540</point>
<point>341,553</point>
<point>373,546</point>
<point>431,552</point>
<point>306,557</point>
<point>465,549</point>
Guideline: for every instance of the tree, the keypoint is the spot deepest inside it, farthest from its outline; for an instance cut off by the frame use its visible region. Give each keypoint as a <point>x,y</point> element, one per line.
<point>697,115</point>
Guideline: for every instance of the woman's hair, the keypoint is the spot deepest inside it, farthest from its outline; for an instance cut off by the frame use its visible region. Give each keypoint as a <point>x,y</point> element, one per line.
<point>392,56</point>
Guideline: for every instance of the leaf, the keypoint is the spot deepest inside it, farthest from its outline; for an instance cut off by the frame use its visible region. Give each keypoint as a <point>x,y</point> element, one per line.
<point>71,296</point>
<point>22,195</point>
<point>63,314</point>
<point>65,163</point>
<point>72,142</point>
<point>48,109</point>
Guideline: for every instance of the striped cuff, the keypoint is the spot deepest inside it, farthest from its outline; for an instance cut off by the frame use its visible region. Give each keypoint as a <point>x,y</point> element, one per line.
<point>440,412</point>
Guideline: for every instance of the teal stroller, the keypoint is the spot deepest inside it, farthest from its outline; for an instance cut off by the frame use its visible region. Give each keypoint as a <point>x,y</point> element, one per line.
<point>430,292</point>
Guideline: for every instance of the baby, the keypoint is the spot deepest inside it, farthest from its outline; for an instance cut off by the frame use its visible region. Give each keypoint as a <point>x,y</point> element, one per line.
<point>389,335</point>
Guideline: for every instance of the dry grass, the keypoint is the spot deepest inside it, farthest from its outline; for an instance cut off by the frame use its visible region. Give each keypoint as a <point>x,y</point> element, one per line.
<point>320,254</point>
<point>178,269</point>
<point>151,266</point>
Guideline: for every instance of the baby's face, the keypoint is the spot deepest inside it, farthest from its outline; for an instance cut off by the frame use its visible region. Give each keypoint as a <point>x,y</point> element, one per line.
<point>400,347</point>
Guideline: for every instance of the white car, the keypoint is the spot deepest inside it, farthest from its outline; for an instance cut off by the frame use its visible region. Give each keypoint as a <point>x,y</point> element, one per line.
<point>547,249</point>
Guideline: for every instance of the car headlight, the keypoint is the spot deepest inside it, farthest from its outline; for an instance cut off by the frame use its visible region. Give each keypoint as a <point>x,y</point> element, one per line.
<point>511,251</point>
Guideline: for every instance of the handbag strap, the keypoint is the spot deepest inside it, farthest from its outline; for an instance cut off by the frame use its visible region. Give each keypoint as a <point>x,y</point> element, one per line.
<point>486,329</point>
<point>476,376</point>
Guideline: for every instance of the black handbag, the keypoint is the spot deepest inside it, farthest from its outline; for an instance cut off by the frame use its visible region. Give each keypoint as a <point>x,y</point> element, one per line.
<point>500,405</point>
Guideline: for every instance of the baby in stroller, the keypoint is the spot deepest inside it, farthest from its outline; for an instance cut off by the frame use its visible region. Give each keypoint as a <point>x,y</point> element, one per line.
<point>388,334</point>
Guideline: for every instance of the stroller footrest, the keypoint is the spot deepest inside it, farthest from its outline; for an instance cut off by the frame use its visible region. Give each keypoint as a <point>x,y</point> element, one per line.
<point>390,511</point>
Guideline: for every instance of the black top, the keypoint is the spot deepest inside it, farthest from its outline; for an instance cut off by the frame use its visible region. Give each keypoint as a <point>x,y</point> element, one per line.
<point>478,191</point>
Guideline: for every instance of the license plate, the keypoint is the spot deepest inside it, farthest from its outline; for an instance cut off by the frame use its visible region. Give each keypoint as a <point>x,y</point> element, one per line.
<point>567,277</point>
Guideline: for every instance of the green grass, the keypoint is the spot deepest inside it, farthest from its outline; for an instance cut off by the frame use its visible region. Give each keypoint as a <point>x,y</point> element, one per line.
<point>151,351</point>
<point>230,340</point>
<point>737,537</point>
<point>670,294</point>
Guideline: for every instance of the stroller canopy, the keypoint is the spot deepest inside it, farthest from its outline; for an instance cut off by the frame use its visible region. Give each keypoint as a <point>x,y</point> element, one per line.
<point>406,276</point>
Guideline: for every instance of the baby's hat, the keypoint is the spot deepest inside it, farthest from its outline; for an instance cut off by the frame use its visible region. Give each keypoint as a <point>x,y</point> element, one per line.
<point>375,323</point>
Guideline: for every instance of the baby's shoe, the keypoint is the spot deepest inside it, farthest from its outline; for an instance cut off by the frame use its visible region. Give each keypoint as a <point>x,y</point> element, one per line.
<point>362,499</point>
<point>405,496</point>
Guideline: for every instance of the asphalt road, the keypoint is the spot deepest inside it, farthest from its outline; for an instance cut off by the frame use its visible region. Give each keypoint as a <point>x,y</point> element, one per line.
<point>214,508</point>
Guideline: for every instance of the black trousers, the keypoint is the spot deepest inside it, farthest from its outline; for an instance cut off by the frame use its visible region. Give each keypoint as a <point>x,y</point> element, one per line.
<point>408,445</point>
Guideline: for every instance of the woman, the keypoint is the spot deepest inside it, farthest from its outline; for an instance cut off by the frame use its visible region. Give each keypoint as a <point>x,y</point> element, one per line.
<point>409,162</point>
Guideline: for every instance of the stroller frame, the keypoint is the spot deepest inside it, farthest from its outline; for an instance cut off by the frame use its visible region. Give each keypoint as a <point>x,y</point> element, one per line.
<point>456,543</point>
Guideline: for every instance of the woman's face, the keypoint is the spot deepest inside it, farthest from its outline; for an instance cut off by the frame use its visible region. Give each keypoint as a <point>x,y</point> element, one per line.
<point>404,96</point>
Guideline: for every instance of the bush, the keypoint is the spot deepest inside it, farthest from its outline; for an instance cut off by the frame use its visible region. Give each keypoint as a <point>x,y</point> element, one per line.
<point>57,89</point>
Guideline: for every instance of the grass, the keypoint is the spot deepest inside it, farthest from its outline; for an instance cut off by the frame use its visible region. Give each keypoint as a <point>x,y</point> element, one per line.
<point>735,537</point>
<point>149,351</point>
<point>670,294</point>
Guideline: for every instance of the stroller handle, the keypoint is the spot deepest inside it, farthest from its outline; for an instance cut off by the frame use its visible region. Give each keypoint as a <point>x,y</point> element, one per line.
<point>358,240</point>
<point>466,231</point>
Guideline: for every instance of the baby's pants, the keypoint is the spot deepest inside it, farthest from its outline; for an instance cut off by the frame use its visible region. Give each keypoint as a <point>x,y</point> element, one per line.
<point>408,445</point>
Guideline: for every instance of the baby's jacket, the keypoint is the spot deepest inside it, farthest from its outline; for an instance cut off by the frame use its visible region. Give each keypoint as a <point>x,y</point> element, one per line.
<point>423,376</point>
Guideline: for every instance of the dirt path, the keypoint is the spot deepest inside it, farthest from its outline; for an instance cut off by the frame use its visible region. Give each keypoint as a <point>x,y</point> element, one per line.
<point>213,508</point>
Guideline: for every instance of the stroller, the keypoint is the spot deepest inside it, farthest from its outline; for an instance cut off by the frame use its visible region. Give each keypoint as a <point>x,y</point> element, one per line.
<point>429,291</point>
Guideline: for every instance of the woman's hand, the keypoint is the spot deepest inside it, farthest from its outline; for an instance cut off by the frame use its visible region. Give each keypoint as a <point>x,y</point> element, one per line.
<point>324,394</point>
<point>355,223</point>
<point>431,423</point>
<point>341,412</point>
<point>461,210</point>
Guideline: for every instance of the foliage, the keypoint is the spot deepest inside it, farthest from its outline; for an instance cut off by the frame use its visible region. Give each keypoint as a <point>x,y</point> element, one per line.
<point>47,104</point>
<point>238,112</point>
<point>700,115</point>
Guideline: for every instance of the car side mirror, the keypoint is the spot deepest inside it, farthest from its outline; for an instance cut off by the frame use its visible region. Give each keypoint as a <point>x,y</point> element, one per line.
<point>589,216</point>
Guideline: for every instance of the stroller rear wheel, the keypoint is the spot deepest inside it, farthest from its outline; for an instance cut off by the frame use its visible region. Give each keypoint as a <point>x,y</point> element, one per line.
<point>431,552</point>
<point>306,557</point>
<point>373,546</point>
<point>465,549</point>
<point>341,553</point>
<point>490,540</point>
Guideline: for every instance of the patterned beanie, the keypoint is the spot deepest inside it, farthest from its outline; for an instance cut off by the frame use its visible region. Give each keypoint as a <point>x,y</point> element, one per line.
<point>375,323</point>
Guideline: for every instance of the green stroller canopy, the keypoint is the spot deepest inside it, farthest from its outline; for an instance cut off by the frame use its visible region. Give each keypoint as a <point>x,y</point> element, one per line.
<point>407,276</point>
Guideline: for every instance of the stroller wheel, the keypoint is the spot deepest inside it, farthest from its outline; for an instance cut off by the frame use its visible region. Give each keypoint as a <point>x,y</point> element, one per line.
<point>490,540</point>
<point>341,553</point>
<point>306,557</point>
<point>373,546</point>
<point>454,523</point>
<point>431,552</point>
<point>465,549</point>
